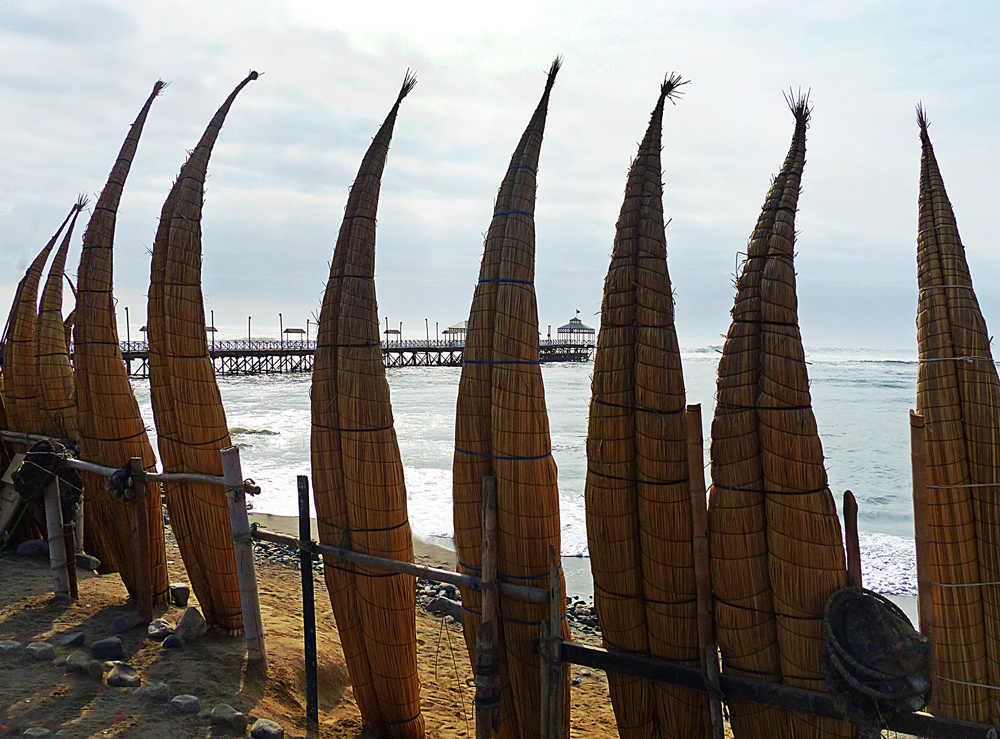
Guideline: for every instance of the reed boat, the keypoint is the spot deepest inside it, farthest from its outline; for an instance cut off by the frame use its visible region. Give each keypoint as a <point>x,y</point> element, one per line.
<point>776,547</point>
<point>111,429</point>
<point>187,406</point>
<point>358,482</point>
<point>501,430</point>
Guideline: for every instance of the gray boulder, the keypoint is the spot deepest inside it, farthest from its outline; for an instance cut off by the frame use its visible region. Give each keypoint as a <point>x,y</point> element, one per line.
<point>125,622</point>
<point>265,728</point>
<point>159,629</point>
<point>37,732</point>
<point>33,548</point>
<point>445,607</point>
<point>191,626</point>
<point>110,648</point>
<point>41,651</point>
<point>10,648</point>
<point>179,593</point>
<point>226,715</point>
<point>87,562</point>
<point>78,662</point>
<point>173,642</point>
<point>157,692</point>
<point>184,704</point>
<point>124,676</point>
<point>73,639</point>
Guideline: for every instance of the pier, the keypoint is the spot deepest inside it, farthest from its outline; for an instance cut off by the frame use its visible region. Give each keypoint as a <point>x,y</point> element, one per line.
<point>259,357</point>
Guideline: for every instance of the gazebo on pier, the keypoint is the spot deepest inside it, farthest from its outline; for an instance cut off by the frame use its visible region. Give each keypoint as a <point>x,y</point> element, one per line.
<point>575,332</point>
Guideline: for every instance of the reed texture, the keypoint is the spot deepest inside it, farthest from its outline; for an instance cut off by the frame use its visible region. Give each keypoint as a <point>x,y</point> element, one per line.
<point>959,399</point>
<point>111,428</point>
<point>637,492</point>
<point>22,390</point>
<point>357,471</point>
<point>187,407</point>
<point>55,371</point>
<point>776,545</point>
<point>502,430</point>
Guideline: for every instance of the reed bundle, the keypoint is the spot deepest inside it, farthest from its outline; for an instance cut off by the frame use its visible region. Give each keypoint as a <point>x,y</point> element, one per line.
<point>22,390</point>
<point>357,471</point>
<point>502,429</point>
<point>111,428</point>
<point>775,537</point>
<point>637,493</point>
<point>960,401</point>
<point>55,372</point>
<point>187,406</point>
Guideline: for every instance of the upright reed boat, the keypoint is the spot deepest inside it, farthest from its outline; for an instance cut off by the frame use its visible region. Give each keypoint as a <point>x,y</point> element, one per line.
<point>501,429</point>
<point>187,407</point>
<point>776,546</point>
<point>111,429</point>
<point>638,486</point>
<point>357,471</point>
<point>958,394</point>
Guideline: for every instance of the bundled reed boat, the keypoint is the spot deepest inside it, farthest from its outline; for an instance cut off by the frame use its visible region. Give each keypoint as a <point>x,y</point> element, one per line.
<point>187,407</point>
<point>357,471</point>
<point>501,429</point>
<point>958,395</point>
<point>638,497</point>
<point>776,547</point>
<point>55,371</point>
<point>22,390</point>
<point>111,428</point>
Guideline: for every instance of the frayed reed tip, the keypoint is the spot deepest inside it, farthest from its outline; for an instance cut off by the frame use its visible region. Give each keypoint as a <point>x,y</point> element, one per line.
<point>798,103</point>
<point>670,89</point>
<point>409,82</point>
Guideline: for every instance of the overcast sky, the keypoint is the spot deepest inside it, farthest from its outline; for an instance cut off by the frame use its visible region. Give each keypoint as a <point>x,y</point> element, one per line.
<point>74,74</point>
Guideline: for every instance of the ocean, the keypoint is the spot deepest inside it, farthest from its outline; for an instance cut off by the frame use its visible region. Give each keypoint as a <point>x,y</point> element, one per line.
<point>861,399</point>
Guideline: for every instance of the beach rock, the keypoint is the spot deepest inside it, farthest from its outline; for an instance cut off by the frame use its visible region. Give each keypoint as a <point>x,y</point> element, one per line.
<point>179,593</point>
<point>225,714</point>
<point>87,562</point>
<point>73,639</point>
<point>153,692</point>
<point>33,548</point>
<point>265,728</point>
<point>445,607</point>
<point>191,626</point>
<point>159,629</point>
<point>184,704</point>
<point>10,648</point>
<point>449,591</point>
<point>124,676</point>
<point>110,648</point>
<point>60,661</point>
<point>125,622</point>
<point>37,732</point>
<point>41,650</point>
<point>173,642</point>
<point>78,661</point>
<point>96,669</point>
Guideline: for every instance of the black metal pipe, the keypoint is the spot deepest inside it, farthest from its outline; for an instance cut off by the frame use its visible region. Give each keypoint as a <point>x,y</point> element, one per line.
<point>308,604</point>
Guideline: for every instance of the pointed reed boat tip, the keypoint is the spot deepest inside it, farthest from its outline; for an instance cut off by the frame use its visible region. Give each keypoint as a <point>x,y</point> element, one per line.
<point>252,75</point>
<point>553,71</point>
<point>409,82</point>
<point>798,103</point>
<point>922,119</point>
<point>670,89</point>
<point>81,201</point>
<point>159,87</point>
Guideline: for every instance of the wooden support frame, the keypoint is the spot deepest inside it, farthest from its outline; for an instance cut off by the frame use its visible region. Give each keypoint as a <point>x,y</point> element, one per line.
<point>140,538</point>
<point>308,604</point>
<point>487,668</point>
<point>57,543</point>
<point>921,534</point>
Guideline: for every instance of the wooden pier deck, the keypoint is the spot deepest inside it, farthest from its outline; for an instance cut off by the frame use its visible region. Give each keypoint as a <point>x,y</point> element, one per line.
<point>258,357</point>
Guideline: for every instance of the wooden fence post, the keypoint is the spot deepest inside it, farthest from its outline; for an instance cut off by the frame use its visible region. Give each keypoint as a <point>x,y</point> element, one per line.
<point>246,575</point>
<point>707,646</point>
<point>487,664</point>
<point>549,652</point>
<point>921,531</point>
<point>140,540</point>
<point>57,544</point>
<point>851,542</point>
<point>308,601</point>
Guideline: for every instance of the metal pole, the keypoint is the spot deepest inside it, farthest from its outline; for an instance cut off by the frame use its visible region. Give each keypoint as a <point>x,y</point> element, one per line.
<point>248,332</point>
<point>246,575</point>
<point>307,332</point>
<point>128,339</point>
<point>308,603</point>
<point>281,331</point>
<point>214,331</point>
<point>437,335</point>
<point>427,330</point>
